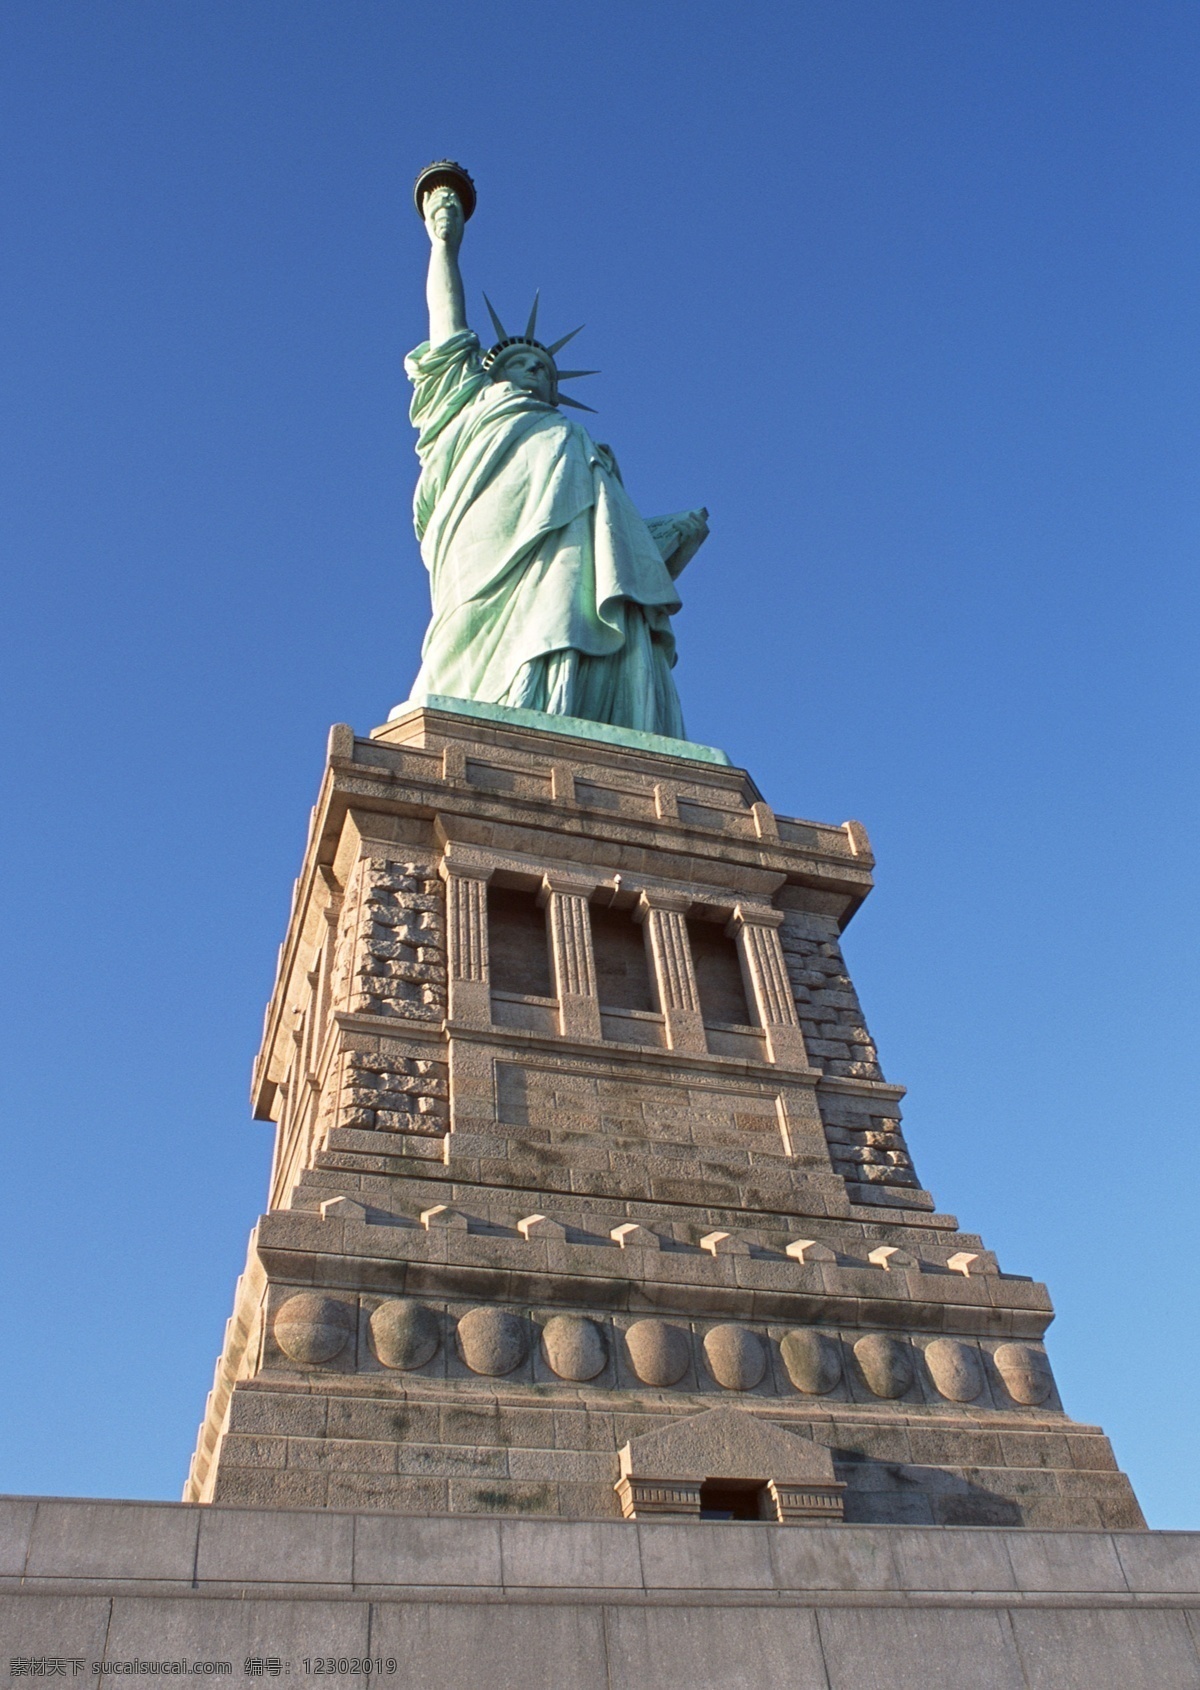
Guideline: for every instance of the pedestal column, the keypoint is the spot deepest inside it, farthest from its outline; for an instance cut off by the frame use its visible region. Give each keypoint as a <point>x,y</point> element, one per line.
<point>663,916</point>
<point>467,944</point>
<point>565,899</point>
<point>756,929</point>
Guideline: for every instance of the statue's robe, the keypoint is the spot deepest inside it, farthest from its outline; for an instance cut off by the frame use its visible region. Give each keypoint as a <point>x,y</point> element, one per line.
<point>549,590</point>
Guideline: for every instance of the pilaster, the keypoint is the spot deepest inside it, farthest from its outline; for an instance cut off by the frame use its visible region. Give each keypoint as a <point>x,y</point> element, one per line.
<point>565,898</point>
<point>756,929</point>
<point>467,943</point>
<point>662,914</point>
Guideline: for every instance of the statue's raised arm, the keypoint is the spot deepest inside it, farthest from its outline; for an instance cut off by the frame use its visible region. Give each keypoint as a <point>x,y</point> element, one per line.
<point>444,221</point>
<point>549,591</point>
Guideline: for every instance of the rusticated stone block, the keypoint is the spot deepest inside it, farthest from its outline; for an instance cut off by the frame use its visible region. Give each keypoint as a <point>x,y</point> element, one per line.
<point>413,1495</point>
<point>240,1450</point>
<point>348,1455</point>
<point>404,1333</point>
<point>1092,1452</point>
<point>312,1329</point>
<point>660,1351</point>
<point>502,1496</point>
<point>955,1369</point>
<point>575,1347</point>
<point>1025,1372</point>
<point>813,1360</point>
<point>379,1419</point>
<point>265,1487</point>
<point>736,1356</point>
<point>492,1341</point>
<point>885,1364</point>
<point>285,1413</point>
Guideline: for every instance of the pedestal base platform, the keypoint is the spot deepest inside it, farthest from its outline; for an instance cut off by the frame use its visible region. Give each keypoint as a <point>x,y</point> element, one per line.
<point>470,1603</point>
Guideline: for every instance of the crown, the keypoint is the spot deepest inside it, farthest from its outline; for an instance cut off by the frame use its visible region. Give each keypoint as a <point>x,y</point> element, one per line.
<point>527,339</point>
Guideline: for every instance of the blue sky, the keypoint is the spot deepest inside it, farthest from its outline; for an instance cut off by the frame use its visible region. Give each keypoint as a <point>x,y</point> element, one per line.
<point>905,293</point>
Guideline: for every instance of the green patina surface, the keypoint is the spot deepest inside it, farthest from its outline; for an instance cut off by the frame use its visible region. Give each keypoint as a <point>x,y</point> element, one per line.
<point>573,727</point>
<point>550,592</point>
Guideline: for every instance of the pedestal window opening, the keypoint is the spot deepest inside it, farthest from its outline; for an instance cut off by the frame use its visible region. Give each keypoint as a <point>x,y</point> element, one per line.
<point>736,1499</point>
<point>517,943</point>
<point>719,980</point>
<point>622,967</point>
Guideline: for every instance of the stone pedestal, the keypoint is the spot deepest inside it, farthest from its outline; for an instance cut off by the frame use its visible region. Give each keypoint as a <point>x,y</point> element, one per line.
<point>581,1136</point>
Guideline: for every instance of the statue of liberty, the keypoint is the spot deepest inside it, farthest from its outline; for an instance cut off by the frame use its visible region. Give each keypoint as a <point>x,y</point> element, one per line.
<point>549,591</point>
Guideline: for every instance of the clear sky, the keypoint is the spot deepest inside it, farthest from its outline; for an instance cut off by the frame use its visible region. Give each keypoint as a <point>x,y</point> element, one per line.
<point>908,293</point>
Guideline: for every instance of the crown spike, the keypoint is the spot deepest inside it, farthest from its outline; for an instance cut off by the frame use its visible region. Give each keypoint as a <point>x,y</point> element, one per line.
<point>532,323</point>
<point>501,331</point>
<point>573,375</point>
<point>575,404</point>
<point>558,344</point>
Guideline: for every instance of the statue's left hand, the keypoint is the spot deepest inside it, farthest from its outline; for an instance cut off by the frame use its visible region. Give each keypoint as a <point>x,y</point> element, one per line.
<point>679,537</point>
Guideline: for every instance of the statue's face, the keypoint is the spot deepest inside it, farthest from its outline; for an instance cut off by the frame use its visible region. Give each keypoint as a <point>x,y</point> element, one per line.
<point>444,212</point>
<point>525,367</point>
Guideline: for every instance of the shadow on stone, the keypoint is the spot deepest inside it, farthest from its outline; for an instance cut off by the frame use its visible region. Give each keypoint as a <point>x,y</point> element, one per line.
<point>900,1493</point>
